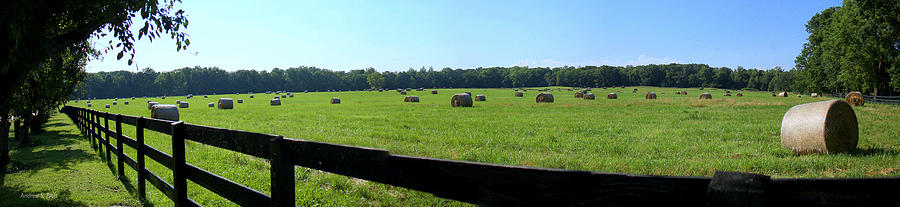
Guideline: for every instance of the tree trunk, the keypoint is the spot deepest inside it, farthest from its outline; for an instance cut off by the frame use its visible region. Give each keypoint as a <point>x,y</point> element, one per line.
<point>4,143</point>
<point>25,137</point>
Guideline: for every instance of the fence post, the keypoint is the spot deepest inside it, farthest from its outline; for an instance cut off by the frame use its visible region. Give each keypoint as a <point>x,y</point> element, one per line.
<point>737,189</point>
<point>178,168</point>
<point>120,152</point>
<point>139,135</point>
<point>282,172</point>
<point>106,134</point>
<point>94,135</point>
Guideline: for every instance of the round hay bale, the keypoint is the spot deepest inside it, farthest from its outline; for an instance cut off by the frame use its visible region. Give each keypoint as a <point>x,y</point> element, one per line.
<point>634,91</point>
<point>283,96</point>
<point>164,97</point>
<point>251,96</point>
<point>612,96</point>
<point>583,92</point>
<point>204,96</point>
<point>305,91</point>
<point>589,96</point>
<point>773,94</point>
<point>211,104</point>
<point>434,92</point>
<point>650,95</point>
<point>151,104</point>
<point>579,94</point>
<point>177,101</point>
<point>799,96</point>
<point>335,101</point>
<point>411,99</point>
<point>705,96</point>
<point>569,89</point>
<point>107,105</point>
<point>402,92</point>
<point>126,103</point>
<point>740,94</point>
<point>89,101</point>
<point>164,111</point>
<point>727,91</point>
<point>225,103</point>
<point>480,97</point>
<point>275,102</point>
<point>183,104</point>
<point>240,100</point>
<point>520,94</point>
<point>783,94</point>
<point>132,98</point>
<point>420,89</point>
<point>727,94</point>
<point>544,98</point>
<point>292,95</point>
<point>814,95</point>
<point>820,127</point>
<point>677,92</point>
<point>114,103</point>
<point>461,100</point>
<point>89,105</point>
<point>856,99</point>
<point>684,93</point>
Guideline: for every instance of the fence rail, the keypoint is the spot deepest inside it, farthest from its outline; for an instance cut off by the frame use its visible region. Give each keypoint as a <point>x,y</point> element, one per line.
<point>477,183</point>
<point>893,100</point>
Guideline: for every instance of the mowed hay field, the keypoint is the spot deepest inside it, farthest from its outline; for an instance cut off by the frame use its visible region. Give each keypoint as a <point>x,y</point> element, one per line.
<point>671,135</point>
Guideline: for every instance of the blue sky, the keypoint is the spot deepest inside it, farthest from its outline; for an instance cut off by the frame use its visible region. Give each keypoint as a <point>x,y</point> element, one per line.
<point>397,35</point>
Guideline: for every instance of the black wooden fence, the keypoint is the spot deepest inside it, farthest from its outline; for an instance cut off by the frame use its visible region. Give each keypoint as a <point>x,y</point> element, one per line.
<point>893,100</point>
<point>477,183</point>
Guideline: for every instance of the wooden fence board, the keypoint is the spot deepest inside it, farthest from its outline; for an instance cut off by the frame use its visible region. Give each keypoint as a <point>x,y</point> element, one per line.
<point>226,188</point>
<point>250,143</point>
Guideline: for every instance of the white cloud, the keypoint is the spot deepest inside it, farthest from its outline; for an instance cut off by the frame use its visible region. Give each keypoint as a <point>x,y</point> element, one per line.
<point>646,60</point>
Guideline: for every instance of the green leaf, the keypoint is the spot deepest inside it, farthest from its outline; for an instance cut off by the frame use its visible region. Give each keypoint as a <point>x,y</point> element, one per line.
<point>119,57</point>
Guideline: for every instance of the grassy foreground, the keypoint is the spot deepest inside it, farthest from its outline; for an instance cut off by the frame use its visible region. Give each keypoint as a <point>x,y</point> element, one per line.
<point>672,135</point>
<point>60,169</point>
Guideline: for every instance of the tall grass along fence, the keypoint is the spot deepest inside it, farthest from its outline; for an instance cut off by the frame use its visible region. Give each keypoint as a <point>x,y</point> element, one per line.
<point>893,100</point>
<point>477,183</point>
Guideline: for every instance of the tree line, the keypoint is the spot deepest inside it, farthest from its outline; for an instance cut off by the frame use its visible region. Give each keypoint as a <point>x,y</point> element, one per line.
<point>210,80</point>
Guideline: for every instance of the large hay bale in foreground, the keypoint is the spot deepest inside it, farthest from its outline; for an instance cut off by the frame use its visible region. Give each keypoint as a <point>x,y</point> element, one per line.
<point>589,96</point>
<point>225,103</point>
<point>335,101</point>
<point>151,104</point>
<point>783,94</point>
<point>164,111</point>
<point>461,100</point>
<point>520,94</point>
<point>275,102</point>
<point>856,99</point>
<point>544,98</point>
<point>820,127</point>
<point>705,96</point>
<point>183,104</point>
<point>432,92</point>
<point>480,97</point>
<point>650,95</point>
<point>411,99</point>
<point>579,94</point>
<point>612,96</point>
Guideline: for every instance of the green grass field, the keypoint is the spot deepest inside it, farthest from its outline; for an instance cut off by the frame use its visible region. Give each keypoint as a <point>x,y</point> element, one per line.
<point>672,135</point>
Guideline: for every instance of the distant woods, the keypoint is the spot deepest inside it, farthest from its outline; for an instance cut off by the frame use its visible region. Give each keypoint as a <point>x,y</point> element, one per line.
<point>204,80</point>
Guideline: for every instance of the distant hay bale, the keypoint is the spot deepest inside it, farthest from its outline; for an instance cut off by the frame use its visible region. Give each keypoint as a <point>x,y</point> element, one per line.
<point>773,94</point>
<point>204,96</point>
<point>814,95</point>
<point>520,94</point>
<point>240,100</point>
<point>855,99</point>
<point>650,95</point>
<point>434,92</point>
<point>88,105</point>
<point>411,99</point>
<point>163,97</point>
<point>292,95</point>
<point>126,103</point>
<point>283,96</point>
<point>783,94</point>
<point>132,98</point>
<point>544,98</point>
<point>480,97</point>
<point>589,96</point>
<point>579,94</point>
<point>634,91</point>
<point>275,102</point>
<point>461,100</point>
<point>820,127</point>
<point>705,96</point>
<point>107,105</point>
<point>183,104</point>
<point>151,104</point>
<point>420,89</point>
<point>740,94</point>
<point>211,104</point>
<point>516,89</point>
<point>583,92</point>
<point>114,103</point>
<point>177,101</point>
<point>335,101</point>
<point>701,89</point>
<point>88,101</point>
<point>305,91</point>
<point>225,103</point>
<point>799,96</point>
<point>677,92</point>
<point>727,91</point>
<point>164,111</point>
<point>727,94</point>
<point>380,90</point>
<point>402,92</point>
<point>251,96</point>
<point>611,96</point>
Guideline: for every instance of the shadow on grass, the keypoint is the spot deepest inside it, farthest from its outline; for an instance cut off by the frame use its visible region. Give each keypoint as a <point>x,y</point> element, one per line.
<point>30,159</point>
<point>19,196</point>
<point>873,151</point>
